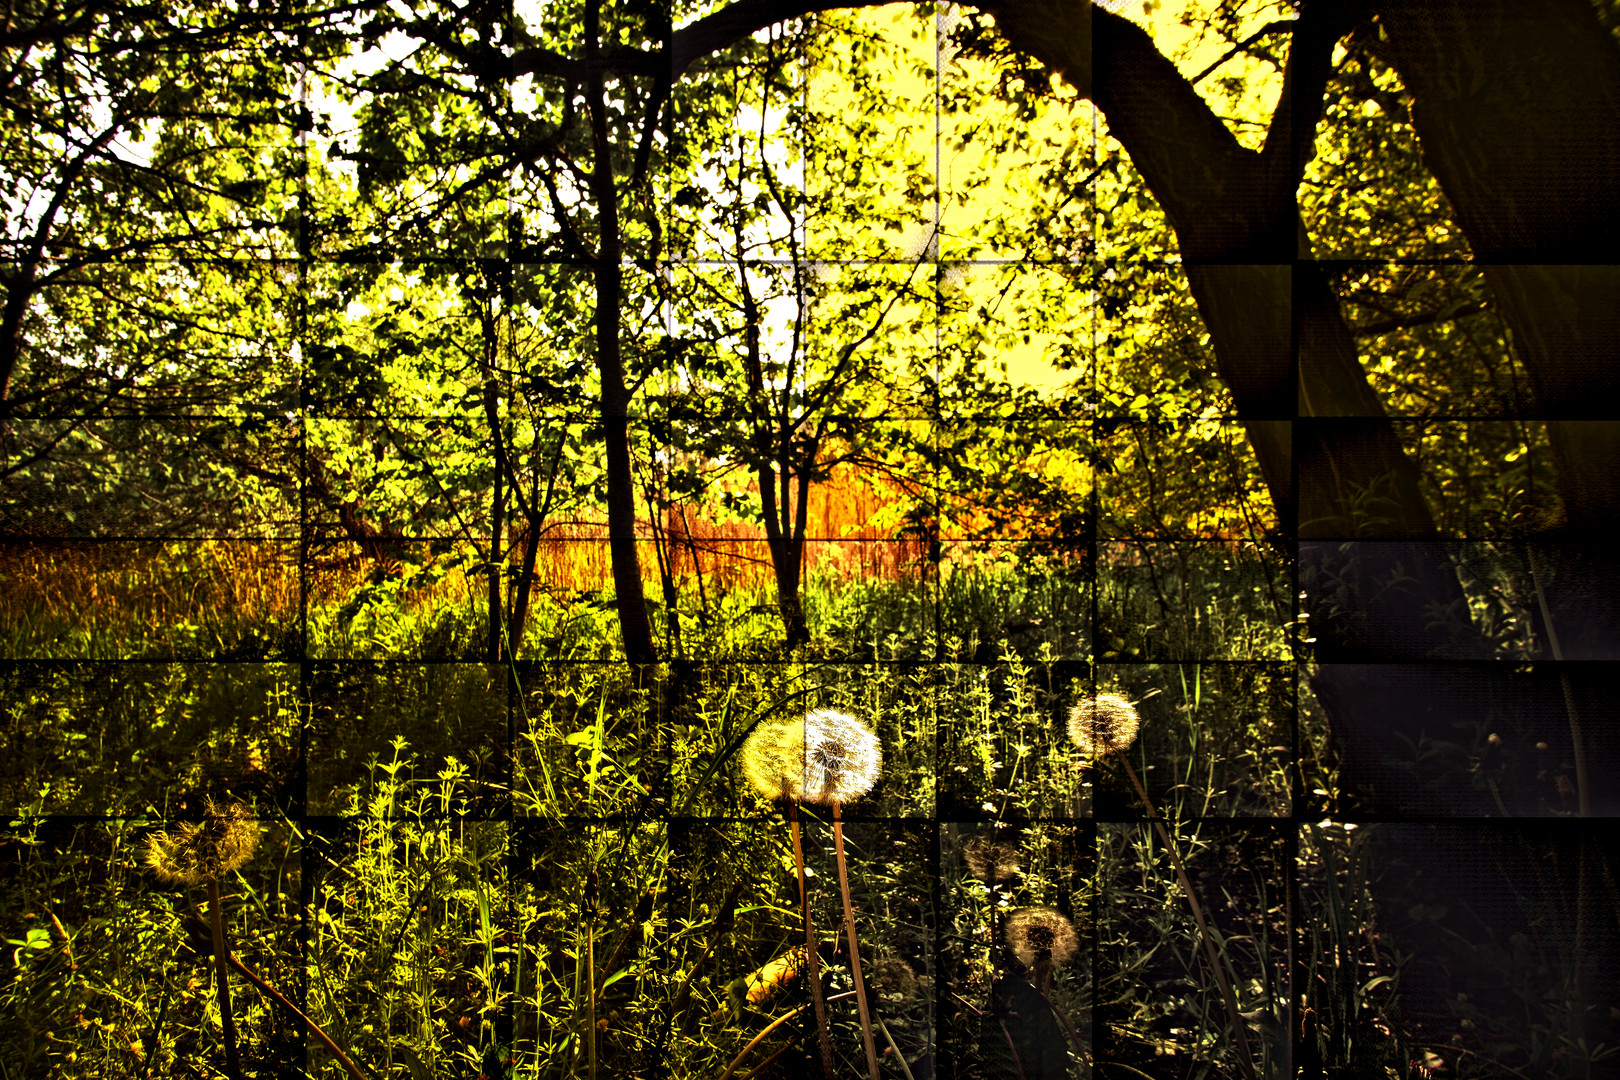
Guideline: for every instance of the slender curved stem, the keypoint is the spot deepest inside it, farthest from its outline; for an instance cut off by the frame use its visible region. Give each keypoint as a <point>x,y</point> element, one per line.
<point>772,1060</point>
<point>1577,741</point>
<point>1011,1049</point>
<point>1068,1028</point>
<point>590,969</point>
<point>221,967</point>
<point>812,974</point>
<point>898,1056</point>
<point>315,1029</point>
<point>761,1037</point>
<point>1239,1029</point>
<point>854,949</point>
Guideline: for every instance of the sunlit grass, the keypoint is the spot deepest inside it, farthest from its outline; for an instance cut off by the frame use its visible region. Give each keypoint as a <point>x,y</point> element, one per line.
<point>117,600</point>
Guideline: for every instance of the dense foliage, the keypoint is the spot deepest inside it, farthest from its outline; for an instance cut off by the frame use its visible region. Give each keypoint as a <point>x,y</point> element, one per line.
<point>441,434</point>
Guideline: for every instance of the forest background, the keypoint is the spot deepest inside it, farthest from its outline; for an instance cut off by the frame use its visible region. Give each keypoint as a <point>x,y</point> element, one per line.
<point>452,429</point>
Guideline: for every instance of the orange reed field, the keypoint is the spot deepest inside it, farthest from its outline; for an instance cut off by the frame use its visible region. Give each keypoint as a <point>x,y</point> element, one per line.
<point>851,526</point>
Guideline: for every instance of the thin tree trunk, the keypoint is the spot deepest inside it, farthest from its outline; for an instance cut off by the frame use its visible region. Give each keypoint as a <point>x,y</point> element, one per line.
<point>786,550</point>
<point>497,563</point>
<point>523,587</point>
<point>634,623</point>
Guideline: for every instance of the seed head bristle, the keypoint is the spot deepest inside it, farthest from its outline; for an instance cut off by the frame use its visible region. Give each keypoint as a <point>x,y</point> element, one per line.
<point>991,861</point>
<point>1103,724</point>
<point>1041,933</point>
<point>825,758</point>
<point>892,975</point>
<point>191,851</point>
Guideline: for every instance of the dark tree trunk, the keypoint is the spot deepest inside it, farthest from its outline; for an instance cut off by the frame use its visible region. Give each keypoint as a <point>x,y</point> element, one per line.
<point>1281,344</point>
<point>1377,585</point>
<point>778,463</point>
<point>634,623</point>
<point>497,564</point>
<point>523,588</point>
<point>785,537</point>
<point>1517,106</point>
<point>1335,467</point>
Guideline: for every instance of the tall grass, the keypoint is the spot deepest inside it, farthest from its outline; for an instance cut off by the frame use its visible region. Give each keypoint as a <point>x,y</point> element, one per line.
<point>119,600</point>
<point>1155,1005</point>
<point>440,943</point>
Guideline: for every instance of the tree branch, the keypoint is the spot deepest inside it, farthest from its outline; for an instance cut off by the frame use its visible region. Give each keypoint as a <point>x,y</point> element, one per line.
<point>731,24</point>
<point>1427,318</point>
<point>1291,138</point>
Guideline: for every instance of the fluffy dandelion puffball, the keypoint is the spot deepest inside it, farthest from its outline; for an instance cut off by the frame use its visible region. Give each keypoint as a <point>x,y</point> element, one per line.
<point>892,975</point>
<point>827,757</point>
<point>1041,933</point>
<point>186,854</point>
<point>1103,724</point>
<point>991,860</point>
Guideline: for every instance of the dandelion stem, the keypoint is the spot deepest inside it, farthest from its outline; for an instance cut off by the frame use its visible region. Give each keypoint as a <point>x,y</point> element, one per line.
<point>1063,1018</point>
<point>590,968</point>
<point>589,911</point>
<point>1011,1049</point>
<point>763,1035</point>
<point>221,967</point>
<point>315,1029</point>
<point>854,949</point>
<point>810,958</point>
<point>1238,1023</point>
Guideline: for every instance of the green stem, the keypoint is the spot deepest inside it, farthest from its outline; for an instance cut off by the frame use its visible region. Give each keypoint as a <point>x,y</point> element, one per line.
<point>898,1056</point>
<point>590,990</point>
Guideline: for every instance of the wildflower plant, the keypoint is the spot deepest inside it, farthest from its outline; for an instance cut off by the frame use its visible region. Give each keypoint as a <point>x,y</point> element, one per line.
<point>826,759</point>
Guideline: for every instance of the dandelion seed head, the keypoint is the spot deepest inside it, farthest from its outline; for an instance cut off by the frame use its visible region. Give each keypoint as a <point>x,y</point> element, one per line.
<point>892,975</point>
<point>191,851</point>
<point>991,861</point>
<point>173,856</point>
<point>1103,724</point>
<point>825,758</point>
<point>1041,933</point>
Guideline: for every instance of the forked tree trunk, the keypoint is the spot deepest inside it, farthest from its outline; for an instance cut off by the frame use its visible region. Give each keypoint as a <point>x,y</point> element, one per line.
<point>785,536</point>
